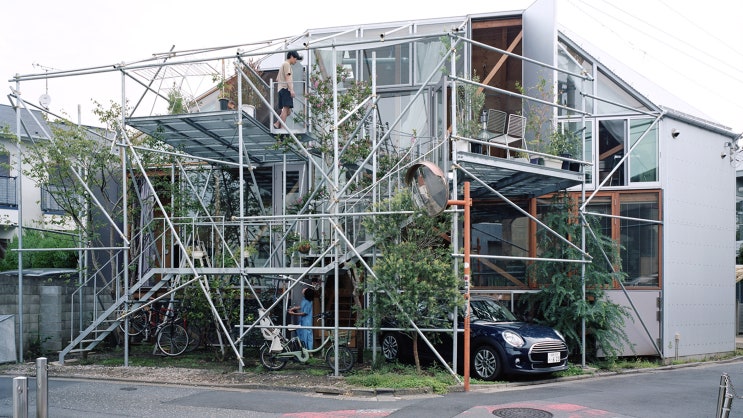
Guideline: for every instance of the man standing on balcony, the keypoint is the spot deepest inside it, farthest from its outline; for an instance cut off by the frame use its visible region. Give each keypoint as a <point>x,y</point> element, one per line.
<point>285,84</point>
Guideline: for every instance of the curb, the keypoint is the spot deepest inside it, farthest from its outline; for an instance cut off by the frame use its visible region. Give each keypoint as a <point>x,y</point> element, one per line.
<point>401,392</point>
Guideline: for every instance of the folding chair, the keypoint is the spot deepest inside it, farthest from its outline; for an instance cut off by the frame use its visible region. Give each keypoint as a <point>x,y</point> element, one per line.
<point>514,133</point>
<point>496,124</point>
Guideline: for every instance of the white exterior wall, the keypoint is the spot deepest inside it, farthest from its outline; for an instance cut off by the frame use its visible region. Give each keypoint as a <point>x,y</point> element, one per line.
<point>698,240</point>
<point>31,203</point>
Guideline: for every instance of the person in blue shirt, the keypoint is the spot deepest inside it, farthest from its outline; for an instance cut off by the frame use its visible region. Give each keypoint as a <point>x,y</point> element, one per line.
<point>304,312</point>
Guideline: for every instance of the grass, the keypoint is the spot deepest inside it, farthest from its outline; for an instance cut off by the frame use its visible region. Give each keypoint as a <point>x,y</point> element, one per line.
<point>399,376</point>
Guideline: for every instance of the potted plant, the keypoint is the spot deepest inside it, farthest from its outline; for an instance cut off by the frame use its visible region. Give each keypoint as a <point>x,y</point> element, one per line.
<point>225,88</point>
<point>521,156</point>
<point>302,246</point>
<point>564,144</point>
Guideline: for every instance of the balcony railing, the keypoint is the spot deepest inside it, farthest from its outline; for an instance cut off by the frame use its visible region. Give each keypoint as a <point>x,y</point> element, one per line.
<point>48,203</point>
<point>8,196</point>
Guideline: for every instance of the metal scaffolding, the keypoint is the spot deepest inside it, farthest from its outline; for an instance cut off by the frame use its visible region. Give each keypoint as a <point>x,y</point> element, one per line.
<point>284,192</point>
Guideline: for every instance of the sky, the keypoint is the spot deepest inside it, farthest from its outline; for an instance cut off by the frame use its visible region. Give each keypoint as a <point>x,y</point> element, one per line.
<point>686,48</point>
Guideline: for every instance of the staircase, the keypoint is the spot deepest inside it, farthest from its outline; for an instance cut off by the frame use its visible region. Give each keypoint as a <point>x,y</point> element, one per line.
<point>109,319</point>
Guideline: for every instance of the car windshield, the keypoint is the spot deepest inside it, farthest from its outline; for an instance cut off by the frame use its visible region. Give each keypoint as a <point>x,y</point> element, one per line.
<point>490,310</point>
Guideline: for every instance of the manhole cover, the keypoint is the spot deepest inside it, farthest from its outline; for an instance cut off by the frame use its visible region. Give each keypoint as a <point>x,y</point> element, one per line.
<point>128,388</point>
<point>521,413</point>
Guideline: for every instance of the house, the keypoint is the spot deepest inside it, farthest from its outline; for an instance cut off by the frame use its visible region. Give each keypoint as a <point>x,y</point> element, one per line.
<point>655,172</point>
<point>51,293</point>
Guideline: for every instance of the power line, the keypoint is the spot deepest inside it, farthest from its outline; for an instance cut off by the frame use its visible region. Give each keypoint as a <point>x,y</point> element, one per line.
<point>701,79</point>
<point>663,39</point>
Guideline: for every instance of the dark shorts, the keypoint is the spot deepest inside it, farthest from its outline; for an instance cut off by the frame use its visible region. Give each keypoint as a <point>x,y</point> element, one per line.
<point>285,99</point>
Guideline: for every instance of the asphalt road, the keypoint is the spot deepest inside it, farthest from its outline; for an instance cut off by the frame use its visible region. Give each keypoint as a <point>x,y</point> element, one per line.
<point>690,391</point>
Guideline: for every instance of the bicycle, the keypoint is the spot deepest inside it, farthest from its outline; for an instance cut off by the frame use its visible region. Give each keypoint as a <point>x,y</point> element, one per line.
<point>163,322</point>
<point>277,349</point>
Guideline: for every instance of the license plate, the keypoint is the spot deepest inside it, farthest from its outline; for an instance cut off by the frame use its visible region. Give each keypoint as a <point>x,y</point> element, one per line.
<point>553,357</point>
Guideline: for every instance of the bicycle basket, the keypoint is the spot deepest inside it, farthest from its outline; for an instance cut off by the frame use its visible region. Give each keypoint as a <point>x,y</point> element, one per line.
<point>344,337</point>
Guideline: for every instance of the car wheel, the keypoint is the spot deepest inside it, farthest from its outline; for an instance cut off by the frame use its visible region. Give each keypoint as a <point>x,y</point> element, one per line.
<point>390,347</point>
<point>486,363</point>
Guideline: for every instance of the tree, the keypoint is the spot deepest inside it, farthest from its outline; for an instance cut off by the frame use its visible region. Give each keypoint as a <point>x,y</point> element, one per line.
<point>560,303</point>
<point>413,279</point>
<point>74,158</point>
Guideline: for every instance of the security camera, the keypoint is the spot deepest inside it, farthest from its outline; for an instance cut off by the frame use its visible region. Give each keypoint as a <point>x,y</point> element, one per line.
<point>675,133</point>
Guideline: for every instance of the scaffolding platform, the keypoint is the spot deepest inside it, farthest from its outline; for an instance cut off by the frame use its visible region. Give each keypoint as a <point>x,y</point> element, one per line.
<point>214,136</point>
<point>514,179</point>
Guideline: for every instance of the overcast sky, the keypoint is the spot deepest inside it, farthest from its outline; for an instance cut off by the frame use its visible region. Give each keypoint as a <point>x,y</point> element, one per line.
<point>691,49</point>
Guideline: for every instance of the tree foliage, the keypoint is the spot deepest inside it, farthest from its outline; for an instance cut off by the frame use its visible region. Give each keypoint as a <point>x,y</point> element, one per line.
<point>41,259</point>
<point>559,303</point>
<point>413,279</point>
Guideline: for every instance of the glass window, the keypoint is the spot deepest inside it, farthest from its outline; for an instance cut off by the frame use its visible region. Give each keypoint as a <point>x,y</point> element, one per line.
<point>507,235</point>
<point>569,86</point>
<point>588,151</point>
<point>48,202</point>
<point>415,120</point>
<point>601,205</point>
<point>639,239</point>
<point>427,55</point>
<point>644,158</point>
<point>393,64</point>
<point>611,149</point>
<point>611,93</point>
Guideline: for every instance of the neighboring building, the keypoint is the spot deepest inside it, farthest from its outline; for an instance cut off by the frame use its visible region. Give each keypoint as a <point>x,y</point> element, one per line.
<point>653,170</point>
<point>37,204</point>
<point>38,209</point>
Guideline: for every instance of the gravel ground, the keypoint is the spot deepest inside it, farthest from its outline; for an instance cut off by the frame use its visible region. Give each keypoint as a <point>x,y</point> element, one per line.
<point>295,377</point>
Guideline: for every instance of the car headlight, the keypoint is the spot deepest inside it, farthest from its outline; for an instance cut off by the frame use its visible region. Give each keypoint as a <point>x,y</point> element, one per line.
<point>513,339</point>
<point>559,334</point>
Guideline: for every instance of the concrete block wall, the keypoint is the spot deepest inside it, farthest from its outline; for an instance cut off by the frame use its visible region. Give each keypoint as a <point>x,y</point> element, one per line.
<point>47,312</point>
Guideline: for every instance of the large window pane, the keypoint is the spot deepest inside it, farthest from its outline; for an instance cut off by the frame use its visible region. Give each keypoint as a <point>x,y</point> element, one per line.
<point>644,158</point>
<point>639,239</point>
<point>507,235</point>
<point>611,147</point>
<point>393,64</point>
<point>611,93</point>
<point>588,151</point>
<point>427,56</point>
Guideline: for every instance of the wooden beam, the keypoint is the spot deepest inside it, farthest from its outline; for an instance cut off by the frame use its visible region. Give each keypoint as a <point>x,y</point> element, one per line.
<point>611,152</point>
<point>501,61</point>
<point>499,23</point>
<point>503,273</point>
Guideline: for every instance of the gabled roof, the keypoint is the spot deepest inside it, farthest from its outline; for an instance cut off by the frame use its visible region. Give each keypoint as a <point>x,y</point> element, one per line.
<point>673,105</point>
<point>29,126</point>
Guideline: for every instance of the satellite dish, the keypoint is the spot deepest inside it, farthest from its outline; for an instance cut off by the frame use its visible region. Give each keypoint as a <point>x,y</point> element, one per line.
<point>44,100</point>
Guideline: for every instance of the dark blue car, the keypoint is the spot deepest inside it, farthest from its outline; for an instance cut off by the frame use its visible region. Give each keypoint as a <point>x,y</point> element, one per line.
<point>499,344</point>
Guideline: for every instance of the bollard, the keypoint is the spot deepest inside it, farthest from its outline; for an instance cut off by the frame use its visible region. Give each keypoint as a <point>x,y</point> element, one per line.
<point>42,388</point>
<point>724,397</point>
<point>20,397</point>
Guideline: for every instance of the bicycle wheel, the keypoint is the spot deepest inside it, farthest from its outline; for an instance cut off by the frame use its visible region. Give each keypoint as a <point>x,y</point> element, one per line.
<point>137,322</point>
<point>172,339</point>
<point>270,360</point>
<point>345,358</point>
